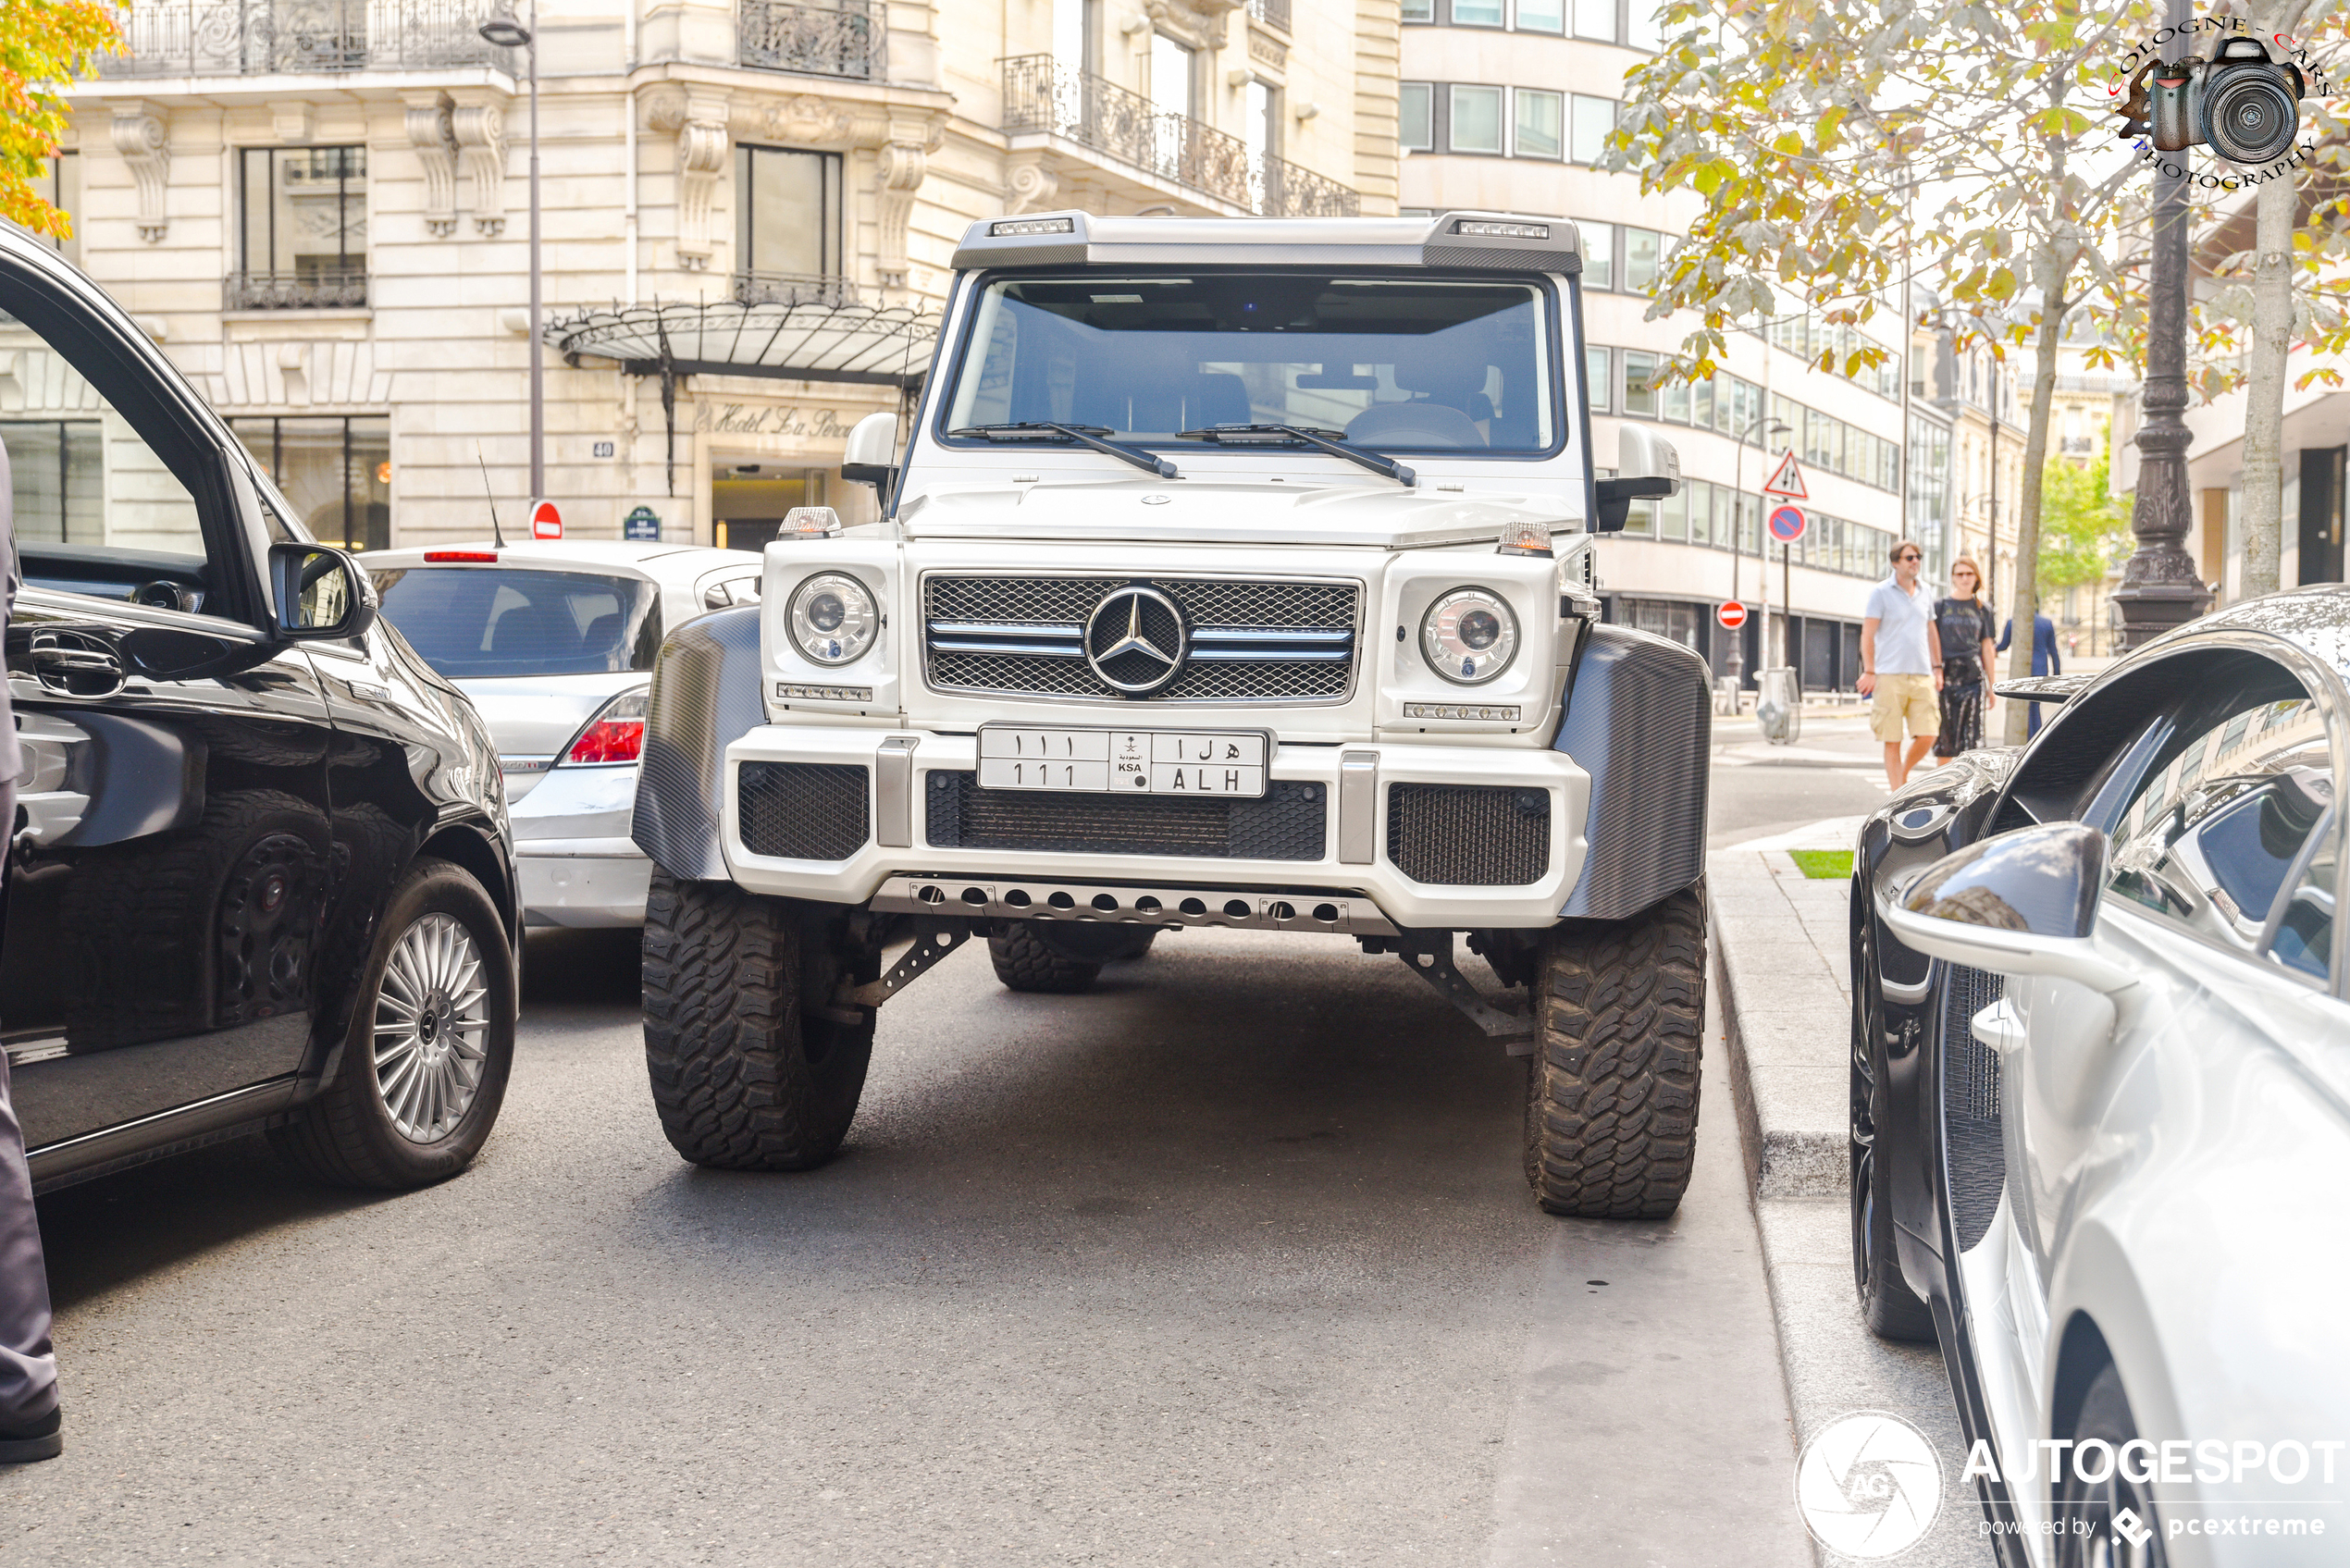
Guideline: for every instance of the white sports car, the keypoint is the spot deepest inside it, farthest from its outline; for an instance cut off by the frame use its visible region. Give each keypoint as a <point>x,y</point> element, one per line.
<point>2101,1100</point>
<point>554,642</point>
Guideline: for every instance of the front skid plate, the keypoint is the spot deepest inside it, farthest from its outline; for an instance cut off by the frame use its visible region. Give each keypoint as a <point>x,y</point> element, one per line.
<point>1049,899</point>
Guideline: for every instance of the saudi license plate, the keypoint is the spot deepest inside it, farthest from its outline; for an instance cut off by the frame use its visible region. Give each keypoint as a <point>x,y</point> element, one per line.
<point>1124,762</point>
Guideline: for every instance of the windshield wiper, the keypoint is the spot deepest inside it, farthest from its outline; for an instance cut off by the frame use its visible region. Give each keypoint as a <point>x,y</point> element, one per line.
<point>1085,435</point>
<point>1326,439</point>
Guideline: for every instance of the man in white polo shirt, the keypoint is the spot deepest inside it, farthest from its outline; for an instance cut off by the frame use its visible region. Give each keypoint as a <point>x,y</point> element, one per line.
<point>1901,664</point>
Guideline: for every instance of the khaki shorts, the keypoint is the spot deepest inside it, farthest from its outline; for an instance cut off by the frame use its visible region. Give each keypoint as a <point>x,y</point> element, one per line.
<point>1904,699</point>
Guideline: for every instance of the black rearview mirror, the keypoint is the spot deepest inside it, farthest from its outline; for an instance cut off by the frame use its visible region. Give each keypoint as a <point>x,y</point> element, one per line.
<point>321,592</point>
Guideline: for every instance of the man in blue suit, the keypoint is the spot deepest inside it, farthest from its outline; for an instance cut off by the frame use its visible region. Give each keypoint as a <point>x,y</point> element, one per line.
<point>2045,659</point>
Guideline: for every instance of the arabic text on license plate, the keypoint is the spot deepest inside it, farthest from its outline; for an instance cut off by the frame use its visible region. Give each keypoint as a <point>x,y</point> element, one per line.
<point>1123,762</point>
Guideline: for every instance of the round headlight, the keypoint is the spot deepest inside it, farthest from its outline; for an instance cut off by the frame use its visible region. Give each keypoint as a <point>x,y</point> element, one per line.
<point>834,619</point>
<point>1469,635</point>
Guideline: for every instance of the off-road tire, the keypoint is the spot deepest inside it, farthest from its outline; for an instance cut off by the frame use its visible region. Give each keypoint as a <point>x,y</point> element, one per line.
<point>743,1077</point>
<point>345,1135</point>
<point>1612,1088</point>
<point>1057,959</point>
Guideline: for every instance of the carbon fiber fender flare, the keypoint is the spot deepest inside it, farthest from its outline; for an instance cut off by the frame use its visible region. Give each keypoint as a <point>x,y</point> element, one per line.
<point>1640,719</point>
<point>705,697</point>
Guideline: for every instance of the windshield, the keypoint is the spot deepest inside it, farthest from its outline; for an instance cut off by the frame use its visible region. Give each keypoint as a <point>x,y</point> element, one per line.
<point>1398,364</point>
<point>468,620</point>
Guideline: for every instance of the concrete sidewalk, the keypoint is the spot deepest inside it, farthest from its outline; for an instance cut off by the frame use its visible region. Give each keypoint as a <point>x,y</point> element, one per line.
<point>1780,944</point>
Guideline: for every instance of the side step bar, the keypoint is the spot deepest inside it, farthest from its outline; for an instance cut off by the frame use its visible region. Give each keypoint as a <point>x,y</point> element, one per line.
<point>1037,899</point>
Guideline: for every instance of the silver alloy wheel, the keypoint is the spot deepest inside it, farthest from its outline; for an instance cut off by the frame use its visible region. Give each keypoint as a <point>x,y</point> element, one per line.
<point>432,1018</point>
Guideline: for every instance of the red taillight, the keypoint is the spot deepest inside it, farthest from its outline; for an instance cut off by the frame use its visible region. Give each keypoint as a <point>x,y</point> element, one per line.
<point>481,557</point>
<point>617,734</point>
<point>610,740</point>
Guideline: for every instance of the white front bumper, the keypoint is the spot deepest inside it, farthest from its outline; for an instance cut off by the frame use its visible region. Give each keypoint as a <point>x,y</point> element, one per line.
<point>1404,902</point>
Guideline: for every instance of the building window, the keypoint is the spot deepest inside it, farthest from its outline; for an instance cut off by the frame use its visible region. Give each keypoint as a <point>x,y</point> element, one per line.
<point>1641,250</point>
<point>1646,30</point>
<point>1419,10</point>
<point>337,473</point>
<point>1541,15</point>
<point>1418,119</point>
<point>1174,77</point>
<point>62,187</point>
<point>1594,118</point>
<point>1639,396</point>
<point>1477,120</point>
<point>1538,127</point>
<point>1598,255</point>
<point>57,470</point>
<point>1596,379</point>
<point>787,214</point>
<point>1265,119</point>
<point>302,233</point>
<point>1476,13</point>
<point>1596,19</point>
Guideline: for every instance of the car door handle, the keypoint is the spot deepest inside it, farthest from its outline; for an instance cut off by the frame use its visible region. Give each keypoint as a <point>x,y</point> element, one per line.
<point>76,670</point>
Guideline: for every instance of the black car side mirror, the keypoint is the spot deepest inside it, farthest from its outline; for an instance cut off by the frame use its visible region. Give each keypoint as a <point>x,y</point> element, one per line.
<point>322,593</point>
<point>2023,902</point>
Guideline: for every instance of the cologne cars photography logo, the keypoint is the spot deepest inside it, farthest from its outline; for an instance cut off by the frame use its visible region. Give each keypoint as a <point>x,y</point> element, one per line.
<point>1868,1484</point>
<point>2242,99</point>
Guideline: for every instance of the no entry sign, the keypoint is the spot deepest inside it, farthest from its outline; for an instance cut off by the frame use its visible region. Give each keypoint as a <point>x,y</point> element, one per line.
<point>545,522</point>
<point>1732,615</point>
<point>1786,524</point>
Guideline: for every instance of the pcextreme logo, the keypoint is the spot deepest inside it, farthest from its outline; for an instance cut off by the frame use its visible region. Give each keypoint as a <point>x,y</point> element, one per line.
<point>2243,99</point>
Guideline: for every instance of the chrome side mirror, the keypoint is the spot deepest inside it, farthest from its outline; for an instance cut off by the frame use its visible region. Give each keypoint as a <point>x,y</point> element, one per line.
<point>322,593</point>
<point>2024,903</point>
<point>1647,468</point>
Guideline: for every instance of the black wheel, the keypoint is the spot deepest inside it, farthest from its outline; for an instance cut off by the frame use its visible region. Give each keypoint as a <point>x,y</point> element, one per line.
<point>1058,958</point>
<point>1888,1304</point>
<point>1612,1091</point>
<point>744,1076</point>
<point>423,1066</point>
<point>2095,1542</point>
<point>214,928</point>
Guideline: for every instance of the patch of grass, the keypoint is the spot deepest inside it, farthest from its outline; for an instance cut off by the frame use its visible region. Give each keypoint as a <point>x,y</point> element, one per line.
<point>1823,865</point>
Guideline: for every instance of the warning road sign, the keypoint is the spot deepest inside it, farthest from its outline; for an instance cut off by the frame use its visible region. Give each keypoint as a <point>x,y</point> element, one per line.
<point>1786,524</point>
<point>1787,479</point>
<point>1732,615</point>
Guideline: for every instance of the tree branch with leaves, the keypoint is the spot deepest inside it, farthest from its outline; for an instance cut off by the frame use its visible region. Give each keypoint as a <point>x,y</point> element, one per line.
<point>44,46</point>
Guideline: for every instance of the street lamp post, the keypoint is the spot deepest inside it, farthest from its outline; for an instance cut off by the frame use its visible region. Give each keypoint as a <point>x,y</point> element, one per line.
<point>507,33</point>
<point>2160,588</point>
<point>1762,551</point>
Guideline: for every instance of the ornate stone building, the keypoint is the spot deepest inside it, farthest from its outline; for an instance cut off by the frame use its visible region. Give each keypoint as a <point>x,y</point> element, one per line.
<point>320,209</point>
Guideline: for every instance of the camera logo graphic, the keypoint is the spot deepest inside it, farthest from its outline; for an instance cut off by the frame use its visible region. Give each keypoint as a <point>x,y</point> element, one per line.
<point>2243,103</point>
<point>1868,1484</point>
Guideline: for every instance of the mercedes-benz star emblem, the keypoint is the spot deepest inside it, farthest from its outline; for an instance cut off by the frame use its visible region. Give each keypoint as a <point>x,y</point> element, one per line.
<point>1135,640</point>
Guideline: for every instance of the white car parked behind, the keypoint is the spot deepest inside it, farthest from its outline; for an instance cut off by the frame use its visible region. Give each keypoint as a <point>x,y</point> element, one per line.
<point>554,642</point>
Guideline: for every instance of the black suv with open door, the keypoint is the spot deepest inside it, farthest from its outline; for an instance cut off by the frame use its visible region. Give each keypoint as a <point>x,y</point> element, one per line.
<point>260,874</point>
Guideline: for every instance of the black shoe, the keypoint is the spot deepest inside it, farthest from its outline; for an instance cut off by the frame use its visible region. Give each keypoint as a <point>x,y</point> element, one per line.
<point>37,1439</point>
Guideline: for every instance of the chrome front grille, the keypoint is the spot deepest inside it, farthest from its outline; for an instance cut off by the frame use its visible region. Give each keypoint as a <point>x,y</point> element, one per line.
<point>1251,641</point>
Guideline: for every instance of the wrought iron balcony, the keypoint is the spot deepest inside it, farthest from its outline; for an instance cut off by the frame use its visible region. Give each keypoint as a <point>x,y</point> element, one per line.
<point>340,289</point>
<point>842,39</point>
<point>2079,444</point>
<point>1272,13</point>
<point>793,288</point>
<point>271,37</point>
<point>1041,94</point>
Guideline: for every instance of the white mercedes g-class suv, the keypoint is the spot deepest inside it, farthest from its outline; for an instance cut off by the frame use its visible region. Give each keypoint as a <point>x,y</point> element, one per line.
<point>1236,573</point>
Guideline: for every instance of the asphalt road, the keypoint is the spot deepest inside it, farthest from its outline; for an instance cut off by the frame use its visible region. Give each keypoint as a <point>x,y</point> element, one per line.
<point>1229,1262</point>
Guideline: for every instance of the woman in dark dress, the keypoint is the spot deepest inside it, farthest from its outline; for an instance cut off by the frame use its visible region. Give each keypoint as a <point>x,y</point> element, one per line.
<point>1968,640</point>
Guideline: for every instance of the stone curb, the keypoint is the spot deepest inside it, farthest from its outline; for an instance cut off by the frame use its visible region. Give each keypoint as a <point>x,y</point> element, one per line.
<point>1778,953</point>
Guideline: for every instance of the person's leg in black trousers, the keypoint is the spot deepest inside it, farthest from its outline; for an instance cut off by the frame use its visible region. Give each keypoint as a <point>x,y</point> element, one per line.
<point>28,1428</point>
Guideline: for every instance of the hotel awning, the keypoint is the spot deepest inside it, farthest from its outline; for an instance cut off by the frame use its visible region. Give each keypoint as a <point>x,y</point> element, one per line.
<point>793,340</point>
